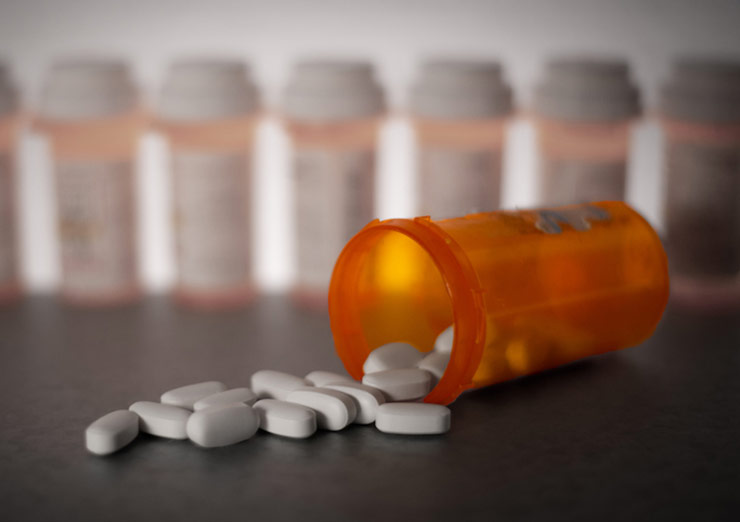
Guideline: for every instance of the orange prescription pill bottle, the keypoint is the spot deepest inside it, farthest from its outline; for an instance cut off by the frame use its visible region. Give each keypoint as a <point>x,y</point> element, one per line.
<point>209,112</point>
<point>459,111</point>
<point>91,114</point>
<point>525,290</point>
<point>583,113</point>
<point>332,110</point>
<point>10,120</point>
<point>700,116</point>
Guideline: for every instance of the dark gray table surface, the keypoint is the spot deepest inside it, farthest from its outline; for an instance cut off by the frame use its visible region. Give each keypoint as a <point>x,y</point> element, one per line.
<point>648,433</point>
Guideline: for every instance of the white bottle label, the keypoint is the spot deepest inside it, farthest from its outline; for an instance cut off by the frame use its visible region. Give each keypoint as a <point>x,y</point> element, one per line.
<point>565,182</point>
<point>456,182</point>
<point>96,226</point>
<point>8,253</point>
<point>212,220</point>
<point>703,209</point>
<point>334,199</point>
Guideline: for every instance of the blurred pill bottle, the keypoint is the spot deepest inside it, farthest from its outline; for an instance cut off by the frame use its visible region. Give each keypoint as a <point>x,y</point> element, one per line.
<point>10,122</point>
<point>459,111</point>
<point>91,114</point>
<point>700,116</point>
<point>333,111</point>
<point>583,113</point>
<point>209,112</point>
<point>525,290</point>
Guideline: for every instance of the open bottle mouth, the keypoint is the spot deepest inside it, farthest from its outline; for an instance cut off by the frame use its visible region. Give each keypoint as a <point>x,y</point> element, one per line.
<point>406,280</point>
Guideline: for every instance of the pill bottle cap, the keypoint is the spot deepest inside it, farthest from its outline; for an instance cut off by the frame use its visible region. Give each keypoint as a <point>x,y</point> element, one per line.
<point>87,88</point>
<point>332,90</point>
<point>703,90</point>
<point>9,101</point>
<point>587,90</point>
<point>204,89</point>
<point>461,89</point>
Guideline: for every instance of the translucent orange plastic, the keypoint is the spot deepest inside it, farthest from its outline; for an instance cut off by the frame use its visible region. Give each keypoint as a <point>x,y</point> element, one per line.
<point>525,290</point>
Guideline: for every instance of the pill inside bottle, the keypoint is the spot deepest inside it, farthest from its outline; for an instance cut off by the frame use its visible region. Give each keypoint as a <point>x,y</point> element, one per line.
<point>524,290</point>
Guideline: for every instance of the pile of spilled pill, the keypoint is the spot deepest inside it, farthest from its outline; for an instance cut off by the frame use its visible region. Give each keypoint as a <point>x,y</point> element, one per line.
<point>397,378</point>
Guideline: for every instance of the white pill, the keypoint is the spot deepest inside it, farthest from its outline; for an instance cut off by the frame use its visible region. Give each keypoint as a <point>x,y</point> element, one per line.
<point>404,384</point>
<point>162,420</point>
<point>367,399</point>
<point>391,356</point>
<point>334,410</point>
<point>244,395</point>
<point>111,432</point>
<point>443,343</point>
<point>321,378</point>
<point>435,363</point>
<point>413,418</point>
<point>187,396</point>
<point>286,418</point>
<point>269,384</point>
<point>222,425</point>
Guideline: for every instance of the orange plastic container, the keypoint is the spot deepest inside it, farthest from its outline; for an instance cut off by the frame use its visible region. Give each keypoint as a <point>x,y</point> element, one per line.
<point>525,290</point>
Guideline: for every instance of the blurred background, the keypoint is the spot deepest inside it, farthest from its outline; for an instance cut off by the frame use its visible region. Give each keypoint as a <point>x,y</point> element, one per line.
<point>396,36</point>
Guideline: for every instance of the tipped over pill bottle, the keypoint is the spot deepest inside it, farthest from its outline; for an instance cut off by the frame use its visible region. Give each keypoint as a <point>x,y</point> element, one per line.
<point>459,112</point>
<point>700,116</point>
<point>583,113</point>
<point>10,121</point>
<point>91,114</point>
<point>332,111</point>
<point>524,290</point>
<point>209,112</point>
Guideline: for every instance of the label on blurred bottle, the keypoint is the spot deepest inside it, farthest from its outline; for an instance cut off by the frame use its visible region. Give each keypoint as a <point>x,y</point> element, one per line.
<point>97,227</point>
<point>334,198</point>
<point>212,211</point>
<point>455,182</point>
<point>8,253</point>
<point>565,182</point>
<point>703,209</point>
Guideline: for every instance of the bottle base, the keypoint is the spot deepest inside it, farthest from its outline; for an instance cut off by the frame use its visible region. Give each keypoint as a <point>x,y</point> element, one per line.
<point>706,295</point>
<point>214,300</point>
<point>122,297</point>
<point>310,298</point>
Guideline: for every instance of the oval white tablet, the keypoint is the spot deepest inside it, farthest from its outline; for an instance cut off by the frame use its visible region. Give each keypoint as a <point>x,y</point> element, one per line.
<point>404,384</point>
<point>367,399</point>
<point>391,356</point>
<point>269,384</point>
<point>222,425</point>
<point>321,378</point>
<point>187,396</point>
<point>334,410</point>
<point>244,395</point>
<point>435,363</point>
<point>443,343</point>
<point>161,420</point>
<point>111,432</point>
<point>286,418</point>
<point>413,418</point>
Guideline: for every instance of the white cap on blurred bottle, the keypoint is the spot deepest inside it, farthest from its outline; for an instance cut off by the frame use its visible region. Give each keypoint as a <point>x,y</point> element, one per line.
<point>461,89</point>
<point>87,88</point>
<point>9,102</point>
<point>332,90</point>
<point>207,89</point>
<point>703,91</point>
<point>587,90</point>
